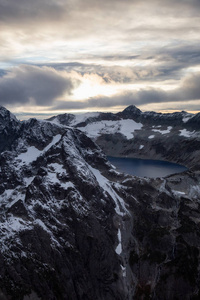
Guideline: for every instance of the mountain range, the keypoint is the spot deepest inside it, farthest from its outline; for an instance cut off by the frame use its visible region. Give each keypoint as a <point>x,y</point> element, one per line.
<point>72,227</point>
<point>174,137</point>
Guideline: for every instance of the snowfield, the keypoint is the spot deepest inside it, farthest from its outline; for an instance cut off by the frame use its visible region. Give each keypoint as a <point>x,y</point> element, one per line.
<point>186,133</point>
<point>33,153</point>
<point>125,127</point>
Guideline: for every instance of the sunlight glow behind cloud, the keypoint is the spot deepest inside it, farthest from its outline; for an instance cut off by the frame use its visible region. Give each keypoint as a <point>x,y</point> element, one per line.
<point>98,50</point>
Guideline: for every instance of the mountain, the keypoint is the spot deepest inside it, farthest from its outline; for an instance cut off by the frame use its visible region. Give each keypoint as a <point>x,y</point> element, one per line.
<point>173,137</point>
<point>9,128</point>
<point>58,238</point>
<point>72,227</point>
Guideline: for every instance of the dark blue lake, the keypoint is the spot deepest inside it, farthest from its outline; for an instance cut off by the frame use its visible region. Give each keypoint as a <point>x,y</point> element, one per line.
<point>145,167</point>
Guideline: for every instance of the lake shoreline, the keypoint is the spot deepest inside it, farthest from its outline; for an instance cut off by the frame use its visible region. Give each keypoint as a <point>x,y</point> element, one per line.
<point>151,168</point>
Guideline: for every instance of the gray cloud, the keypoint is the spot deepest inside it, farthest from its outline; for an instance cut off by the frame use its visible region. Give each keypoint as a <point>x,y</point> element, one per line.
<point>53,8</point>
<point>113,73</point>
<point>34,26</point>
<point>189,90</point>
<point>156,41</point>
<point>29,83</point>
<point>82,17</point>
<point>25,10</point>
<point>2,72</point>
<point>156,64</point>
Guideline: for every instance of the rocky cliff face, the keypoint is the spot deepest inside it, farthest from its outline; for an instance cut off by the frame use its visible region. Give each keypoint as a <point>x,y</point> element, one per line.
<point>72,227</point>
<point>9,129</point>
<point>164,244</point>
<point>58,238</point>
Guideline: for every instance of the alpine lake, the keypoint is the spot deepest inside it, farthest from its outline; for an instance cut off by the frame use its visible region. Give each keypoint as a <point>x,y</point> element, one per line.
<point>145,167</point>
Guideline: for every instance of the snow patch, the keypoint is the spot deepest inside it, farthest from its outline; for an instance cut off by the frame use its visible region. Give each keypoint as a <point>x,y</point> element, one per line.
<point>55,139</point>
<point>141,147</point>
<point>123,271</point>
<point>28,180</point>
<point>33,153</point>
<point>186,133</point>
<point>118,249</point>
<point>187,118</point>
<point>125,127</point>
<point>178,194</point>
<point>30,155</point>
<point>151,136</point>
<point>163,131</point>
<point>83,117</point>
<point>129,126</point>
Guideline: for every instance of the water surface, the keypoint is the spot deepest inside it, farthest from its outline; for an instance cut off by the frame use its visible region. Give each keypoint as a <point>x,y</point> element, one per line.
<point>145,167</point>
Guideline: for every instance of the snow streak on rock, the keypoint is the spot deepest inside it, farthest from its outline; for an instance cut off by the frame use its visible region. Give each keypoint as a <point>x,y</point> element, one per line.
<point>107,186</point>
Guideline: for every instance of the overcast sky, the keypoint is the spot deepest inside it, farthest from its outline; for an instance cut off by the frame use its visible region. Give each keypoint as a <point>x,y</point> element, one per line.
<point>99,55</point>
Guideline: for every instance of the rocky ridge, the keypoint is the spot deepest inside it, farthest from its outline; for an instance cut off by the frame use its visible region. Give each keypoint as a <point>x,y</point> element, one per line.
<point>173,137</point>
<point>57,228</point>
<point>72,227</point>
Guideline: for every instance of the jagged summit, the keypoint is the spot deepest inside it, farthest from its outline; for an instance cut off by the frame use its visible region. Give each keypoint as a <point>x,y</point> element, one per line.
<point>132,109</point>
<point>3,109</point>
<point>6,115</point>
<point>9,129</point>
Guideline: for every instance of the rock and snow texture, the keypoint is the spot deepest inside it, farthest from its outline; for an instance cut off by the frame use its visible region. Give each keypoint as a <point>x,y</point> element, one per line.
<point>171,137</point>
<point>33,153</point>
<point>81,118</point>
<point>163,131</point>
<point>56,218</point>
<point>9,128</point>
<point>72,227</point>
<point>73,120</point>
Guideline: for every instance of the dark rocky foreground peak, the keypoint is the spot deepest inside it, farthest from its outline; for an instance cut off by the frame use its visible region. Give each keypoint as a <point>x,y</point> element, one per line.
<point>72,227</point>
<point>58,238</point>
<point>9,128</point>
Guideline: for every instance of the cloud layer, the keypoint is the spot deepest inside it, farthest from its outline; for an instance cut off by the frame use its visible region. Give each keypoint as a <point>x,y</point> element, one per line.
<point>31,84</point>
<point>146,52</point>
<point>188,91</point>
<point>45,86</point>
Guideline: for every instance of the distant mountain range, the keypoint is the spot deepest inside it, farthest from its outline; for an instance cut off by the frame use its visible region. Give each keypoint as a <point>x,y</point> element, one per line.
<point>73,228</point>
<point>173,137</point>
